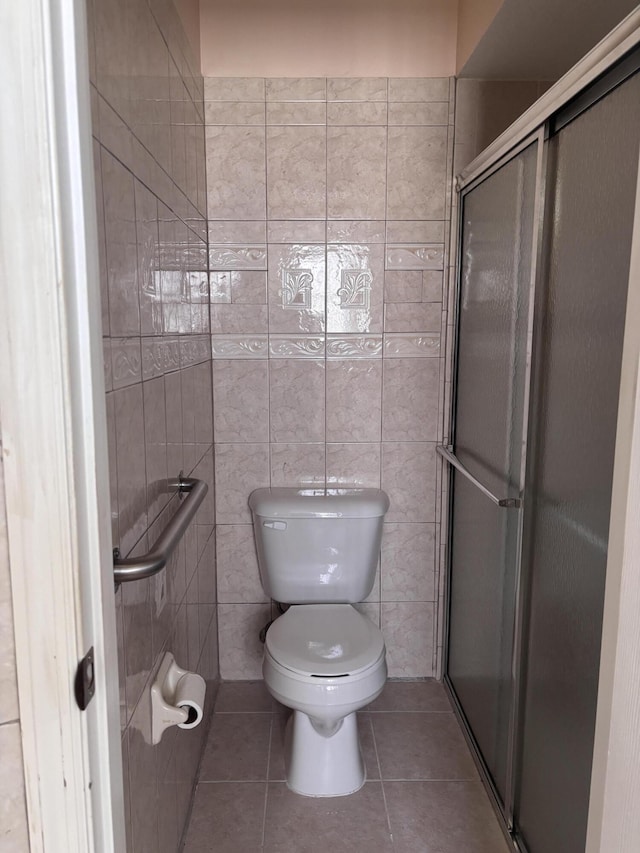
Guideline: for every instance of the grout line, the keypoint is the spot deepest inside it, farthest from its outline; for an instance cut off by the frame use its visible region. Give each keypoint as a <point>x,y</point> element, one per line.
<point>384,796</point>
<point>266,785</point>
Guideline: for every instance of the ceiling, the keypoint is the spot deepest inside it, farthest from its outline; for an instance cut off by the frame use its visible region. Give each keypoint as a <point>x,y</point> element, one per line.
<point>542,39</point>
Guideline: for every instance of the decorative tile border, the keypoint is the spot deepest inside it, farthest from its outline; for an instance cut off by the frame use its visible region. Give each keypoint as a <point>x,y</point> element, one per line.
<point>152,357</point>
<point>238,257</point>
<point>166,355</point>
<point>428,256</point>
<point>412,346</point>
<point>239,346</point>
<point>354,346</point>
<point>194,350</point>
<point>303,346</point>
<point>106,364</point>
<point>126,362</point>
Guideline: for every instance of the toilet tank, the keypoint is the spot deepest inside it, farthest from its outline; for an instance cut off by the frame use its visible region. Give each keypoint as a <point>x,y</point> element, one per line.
<point>318,546</point>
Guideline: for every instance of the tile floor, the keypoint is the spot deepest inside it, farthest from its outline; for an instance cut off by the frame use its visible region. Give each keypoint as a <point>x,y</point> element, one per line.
<point>422,793</point>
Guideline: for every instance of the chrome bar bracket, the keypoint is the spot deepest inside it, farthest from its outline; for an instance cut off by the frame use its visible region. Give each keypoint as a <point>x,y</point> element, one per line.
<point>446,452</point>
<point>139,568</point>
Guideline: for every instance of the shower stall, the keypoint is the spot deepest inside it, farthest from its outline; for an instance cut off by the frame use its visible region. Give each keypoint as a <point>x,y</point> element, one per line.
<point>544,250</point>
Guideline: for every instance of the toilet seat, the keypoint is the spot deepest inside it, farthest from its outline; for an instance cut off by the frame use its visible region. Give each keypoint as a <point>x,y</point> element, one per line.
<point>324,640</point>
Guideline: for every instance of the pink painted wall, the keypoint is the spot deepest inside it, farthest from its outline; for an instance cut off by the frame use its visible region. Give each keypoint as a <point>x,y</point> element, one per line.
<point>332,38</point>
<point>189,11</point>
<point>474,17</point>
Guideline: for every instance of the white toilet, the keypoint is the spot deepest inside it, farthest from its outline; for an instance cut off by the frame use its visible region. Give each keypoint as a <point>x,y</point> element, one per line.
<point>318,551</point>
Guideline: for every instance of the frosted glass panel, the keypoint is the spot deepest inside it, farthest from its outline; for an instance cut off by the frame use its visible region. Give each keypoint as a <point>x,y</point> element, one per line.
<point>494,305</point>
<point>592,182</point>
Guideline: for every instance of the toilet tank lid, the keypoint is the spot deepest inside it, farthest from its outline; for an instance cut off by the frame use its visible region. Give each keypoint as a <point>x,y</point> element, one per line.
<point>319,503</point>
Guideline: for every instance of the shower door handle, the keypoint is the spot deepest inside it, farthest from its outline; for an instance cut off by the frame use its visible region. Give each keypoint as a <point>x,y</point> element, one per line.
<point>449,456</point>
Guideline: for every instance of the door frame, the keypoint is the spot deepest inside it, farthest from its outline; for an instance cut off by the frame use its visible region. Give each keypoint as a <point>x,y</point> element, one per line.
<point>54,436</point>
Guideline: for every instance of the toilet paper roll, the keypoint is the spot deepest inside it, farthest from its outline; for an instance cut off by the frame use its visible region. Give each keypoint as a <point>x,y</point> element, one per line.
<point>189,695</point>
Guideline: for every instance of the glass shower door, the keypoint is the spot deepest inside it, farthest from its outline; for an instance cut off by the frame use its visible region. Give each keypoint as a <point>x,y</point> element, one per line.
<point>593,162</point>
<point>491,378</point>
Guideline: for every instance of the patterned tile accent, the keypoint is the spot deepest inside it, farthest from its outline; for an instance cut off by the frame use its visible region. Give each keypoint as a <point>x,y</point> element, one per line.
<point>194,350</point>
<point>160,356</point>
<point>238,257</point>
<point>297,288</point>
<point>426,257</point>
<point>305,346</point>
<point>411,346</point>
<point>239,346</point>
<point>355,291</point>
<point>126,362</point>
<point>354,346</point>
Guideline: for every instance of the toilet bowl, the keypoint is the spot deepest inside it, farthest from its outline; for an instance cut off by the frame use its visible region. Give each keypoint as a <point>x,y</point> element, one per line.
<point>317,551</point>
<point>326,662</point>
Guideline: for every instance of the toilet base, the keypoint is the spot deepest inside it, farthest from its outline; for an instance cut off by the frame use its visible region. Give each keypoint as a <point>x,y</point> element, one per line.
<point>321,766</point>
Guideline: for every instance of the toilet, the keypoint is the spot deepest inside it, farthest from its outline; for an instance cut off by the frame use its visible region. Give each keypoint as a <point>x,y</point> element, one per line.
<point>318,552</point>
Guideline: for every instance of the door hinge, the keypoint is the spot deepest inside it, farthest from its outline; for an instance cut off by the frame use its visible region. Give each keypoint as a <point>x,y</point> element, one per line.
<point>85,681</point>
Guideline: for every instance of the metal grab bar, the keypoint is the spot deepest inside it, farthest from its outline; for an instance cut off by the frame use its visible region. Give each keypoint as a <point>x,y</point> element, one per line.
<point>452,459</point>
<point>138,568</point>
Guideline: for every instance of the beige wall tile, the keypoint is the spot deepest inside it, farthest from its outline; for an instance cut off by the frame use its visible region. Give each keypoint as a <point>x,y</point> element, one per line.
<point>403,286</point>
<point>300,112</point>
<point>237,232</point>
<point>354,465</point>
<point>356,231</point>
<point>357,89</point>
<point>15,837</point>
<point>297,464</point>
<point>296,89</point>
<point>130,462</point>
<point>416,172</point>
<point>356,172</point>
<point>240,648</point>
<point>418,89</point>
<point>240,468</point>
<point>236,180</point>
<point>408,114</point>
<point>407,628</point>
<point>297,400</point>
<point>354,400</point>
<point>353,114</point>
<point>296,172</point>
<point>241,401</point>
<point>400,317</point>
<point>238,576</point>
<point>120,218</point>
<point>8,684</point>
<point>408,477</point>
<point>234,112</point>
<point>296,231</point>
<point>410,399</point>
<point>407,562</point>
<point>234,89</point>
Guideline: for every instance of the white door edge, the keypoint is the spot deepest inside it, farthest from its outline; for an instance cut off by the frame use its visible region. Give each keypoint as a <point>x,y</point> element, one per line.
<point>53,421</point>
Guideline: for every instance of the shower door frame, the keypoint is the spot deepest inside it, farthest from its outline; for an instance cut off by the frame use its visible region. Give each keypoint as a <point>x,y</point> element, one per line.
<point>538,138</point>
<point>618,671</point>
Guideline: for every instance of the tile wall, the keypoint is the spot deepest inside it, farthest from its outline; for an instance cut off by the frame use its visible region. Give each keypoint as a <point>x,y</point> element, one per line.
<point>328,204</point>
<point>13,814</point>
<point>148,127</point>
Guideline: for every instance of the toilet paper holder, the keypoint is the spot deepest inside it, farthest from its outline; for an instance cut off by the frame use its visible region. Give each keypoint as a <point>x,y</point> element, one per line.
<point>177,698</point>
